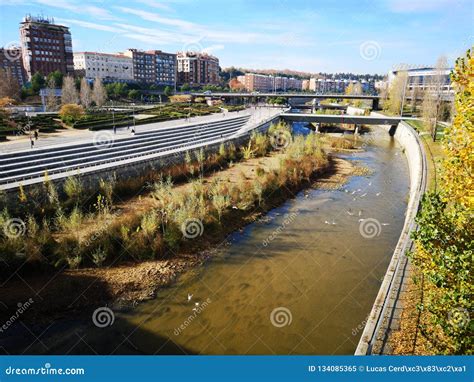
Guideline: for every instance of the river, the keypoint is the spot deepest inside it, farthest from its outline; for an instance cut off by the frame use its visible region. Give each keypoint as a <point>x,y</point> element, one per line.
<point>301,280</point>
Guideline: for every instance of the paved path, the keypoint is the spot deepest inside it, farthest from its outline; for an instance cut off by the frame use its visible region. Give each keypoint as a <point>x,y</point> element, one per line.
<point>66,137</point>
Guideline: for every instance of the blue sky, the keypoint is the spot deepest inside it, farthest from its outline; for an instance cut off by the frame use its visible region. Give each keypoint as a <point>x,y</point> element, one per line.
<point>317,36</point>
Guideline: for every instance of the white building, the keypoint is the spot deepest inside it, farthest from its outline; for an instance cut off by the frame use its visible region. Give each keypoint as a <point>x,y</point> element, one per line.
<point>423,77</point>
<point>114,67</point>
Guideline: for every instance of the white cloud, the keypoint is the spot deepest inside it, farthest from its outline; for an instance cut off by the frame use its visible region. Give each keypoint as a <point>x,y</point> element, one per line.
<point>89,25</point>
<point>408,6</point>
<point>92,10</point>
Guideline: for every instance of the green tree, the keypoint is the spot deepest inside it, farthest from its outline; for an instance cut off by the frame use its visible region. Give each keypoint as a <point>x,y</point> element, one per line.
<point>168,91</point>
<point>133,94</point>
<point>57,77</point>
<point>37,82</point>
<point>185,87</point>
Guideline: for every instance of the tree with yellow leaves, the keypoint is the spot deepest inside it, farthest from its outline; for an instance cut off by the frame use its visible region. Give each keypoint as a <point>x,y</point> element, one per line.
<point>444,245</point>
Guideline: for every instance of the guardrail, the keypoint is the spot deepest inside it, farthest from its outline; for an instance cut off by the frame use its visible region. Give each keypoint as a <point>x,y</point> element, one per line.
<point>377,327</point>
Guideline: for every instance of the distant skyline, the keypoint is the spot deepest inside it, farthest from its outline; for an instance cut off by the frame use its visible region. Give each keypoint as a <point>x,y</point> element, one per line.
<point>323,36</point>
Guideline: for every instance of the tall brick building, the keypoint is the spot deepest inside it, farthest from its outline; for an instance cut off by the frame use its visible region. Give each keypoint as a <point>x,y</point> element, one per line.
<point>46,46</point>
<point>197,69</point>
<point>153,66</point>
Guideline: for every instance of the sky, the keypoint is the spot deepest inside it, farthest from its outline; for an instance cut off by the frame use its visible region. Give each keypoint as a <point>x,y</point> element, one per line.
<point>357,36</point>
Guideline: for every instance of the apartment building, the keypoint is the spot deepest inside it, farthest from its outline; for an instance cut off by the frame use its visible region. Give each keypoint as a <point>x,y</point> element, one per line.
<point>46,46</point>
<point>197,69</point>
<point>112,67</point>
<point>266,83</point>
<point>11,59</point>
<point>153,66</point>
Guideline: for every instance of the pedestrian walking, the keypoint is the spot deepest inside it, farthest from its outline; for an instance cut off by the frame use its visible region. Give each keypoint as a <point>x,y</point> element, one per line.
<point>36,135</point>
<point>115,129</point>
<point>32,142</point>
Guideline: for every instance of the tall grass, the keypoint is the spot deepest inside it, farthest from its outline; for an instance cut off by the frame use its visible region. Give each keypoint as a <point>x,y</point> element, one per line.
<point>157,231</point>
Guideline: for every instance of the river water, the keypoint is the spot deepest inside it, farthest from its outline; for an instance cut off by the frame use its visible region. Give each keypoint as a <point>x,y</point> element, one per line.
<point>302,280</point>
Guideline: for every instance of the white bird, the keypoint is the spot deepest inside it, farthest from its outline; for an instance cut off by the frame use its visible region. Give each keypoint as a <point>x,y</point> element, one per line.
<point>196,303</point>
<point>350,213</point>
<point>333,223</point>
<point>353,192</point>
<point>363,194</point>
<point>370,183</point>
<point>378,193</point>
<point>361,220</point>
<point>326,222</point>
<point>190,296</point>
<point>385,223</point>
<point>360,213</point>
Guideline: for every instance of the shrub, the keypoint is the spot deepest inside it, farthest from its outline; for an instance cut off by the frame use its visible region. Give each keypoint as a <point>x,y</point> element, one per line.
<point>71,113</point>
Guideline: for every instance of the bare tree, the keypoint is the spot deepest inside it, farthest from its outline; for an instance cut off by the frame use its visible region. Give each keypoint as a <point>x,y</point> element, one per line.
<point>415,92</point>
<point>396,93</point>
<point>51,99</point>
<point>9,86</point>
<point>86,93</point>
<point>433,96</point>
<point>99,94</point>
<point>69,92</point>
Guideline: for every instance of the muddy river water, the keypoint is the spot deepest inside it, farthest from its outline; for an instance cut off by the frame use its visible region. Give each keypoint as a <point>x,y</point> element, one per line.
<point>301,280</point>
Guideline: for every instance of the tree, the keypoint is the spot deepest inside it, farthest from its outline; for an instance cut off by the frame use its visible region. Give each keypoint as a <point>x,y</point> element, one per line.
<point>433,97</point>
<point>168,91</point>
<point>57,77</point>
<point>185,87</point>
<point>354,88</point>
<point>99,94</point>
<point>443,243</point>
<point>415,93</point>
<point>51,99</point>
<point>37,82</point>
<point>396,93</point>
<point>71,113</point>
<point>133,94</point>
<point>9,86</point>
<point>86,93</point>
<point>69,92</point>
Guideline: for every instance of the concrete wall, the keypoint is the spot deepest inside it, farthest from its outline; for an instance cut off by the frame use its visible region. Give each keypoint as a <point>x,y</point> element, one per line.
<point>379,320</point>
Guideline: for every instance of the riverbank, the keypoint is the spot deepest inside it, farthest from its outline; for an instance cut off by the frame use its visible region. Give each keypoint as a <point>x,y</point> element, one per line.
<point>75,292</point>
